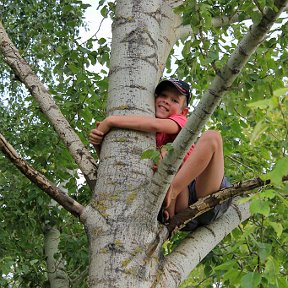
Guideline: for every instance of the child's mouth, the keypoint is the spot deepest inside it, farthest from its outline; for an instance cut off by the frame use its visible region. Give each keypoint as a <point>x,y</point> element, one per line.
<point>162,108</point>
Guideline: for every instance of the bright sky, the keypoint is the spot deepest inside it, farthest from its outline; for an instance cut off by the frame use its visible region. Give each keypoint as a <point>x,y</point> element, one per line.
<point>96,25</point>
<point>94,18</point>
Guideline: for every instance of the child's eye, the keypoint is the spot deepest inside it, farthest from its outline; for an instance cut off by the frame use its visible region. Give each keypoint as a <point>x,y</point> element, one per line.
<point>175,100</point>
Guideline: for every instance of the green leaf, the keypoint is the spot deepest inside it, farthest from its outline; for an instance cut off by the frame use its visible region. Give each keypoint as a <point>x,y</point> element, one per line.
<point>280,92</point>
<point>280,170</point>
<point>282,283</point>
<point>34,261</point>
<point>262,104</point>
<point>251,280</point>
<point>152,154</point>
<point>278,228</point>
<point>225,266</point>
<point>232,275</point>
<point>104,11</point>
<point>267,194</point>
<point>272,268</point>
<point>260,206</point>
<point>73,68</point>
<point>168,147</point>
<point>102,41</point>
<point>264,250</point>
<point>260,127</point>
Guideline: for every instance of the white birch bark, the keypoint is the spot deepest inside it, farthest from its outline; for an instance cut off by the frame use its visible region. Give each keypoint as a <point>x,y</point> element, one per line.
<point>125,242</point>
<point>169,28</point>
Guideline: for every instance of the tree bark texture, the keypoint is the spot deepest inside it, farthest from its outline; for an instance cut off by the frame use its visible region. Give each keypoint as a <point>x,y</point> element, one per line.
<point>125,239</point>
<point>192,251</point>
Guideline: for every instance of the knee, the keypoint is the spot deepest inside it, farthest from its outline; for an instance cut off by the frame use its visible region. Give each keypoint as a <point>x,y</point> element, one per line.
<point>214,139</point>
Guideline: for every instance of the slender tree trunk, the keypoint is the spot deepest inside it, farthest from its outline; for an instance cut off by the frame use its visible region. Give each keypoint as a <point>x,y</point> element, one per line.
<point>55,264</point>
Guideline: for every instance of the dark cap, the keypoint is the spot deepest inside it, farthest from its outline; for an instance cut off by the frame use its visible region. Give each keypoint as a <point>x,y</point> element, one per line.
<point>180,85</point>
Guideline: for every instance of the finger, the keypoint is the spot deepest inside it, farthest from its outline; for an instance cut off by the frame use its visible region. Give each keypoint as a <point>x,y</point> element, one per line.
<point>95,136</point>
<point>166,215</point>
<point>95,142</point>
<point>96,132</point>
<point>95,139</point>
<point>167,200</point>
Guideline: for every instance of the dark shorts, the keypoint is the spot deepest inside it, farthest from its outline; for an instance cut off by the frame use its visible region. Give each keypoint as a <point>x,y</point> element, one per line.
<point>214,213</point>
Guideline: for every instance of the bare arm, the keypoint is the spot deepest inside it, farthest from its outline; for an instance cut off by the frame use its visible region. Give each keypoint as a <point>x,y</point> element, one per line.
<point>142,123</point>
<point>139,123</point>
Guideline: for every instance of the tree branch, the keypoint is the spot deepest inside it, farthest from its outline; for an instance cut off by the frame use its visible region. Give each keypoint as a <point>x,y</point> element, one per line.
<point>209,202</point>
<point>210,100</point>
<point>198,244</point>
<point>40,180</point>
<point>57,275</point>
<point>25,74</point>
<point>185,30</point>
<point>167,35</point>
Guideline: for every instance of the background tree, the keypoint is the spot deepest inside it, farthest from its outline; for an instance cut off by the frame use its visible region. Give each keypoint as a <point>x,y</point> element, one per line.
<point>125,240</point>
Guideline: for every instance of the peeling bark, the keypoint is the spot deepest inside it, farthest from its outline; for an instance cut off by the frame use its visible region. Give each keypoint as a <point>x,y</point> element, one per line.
<point>207,203</point>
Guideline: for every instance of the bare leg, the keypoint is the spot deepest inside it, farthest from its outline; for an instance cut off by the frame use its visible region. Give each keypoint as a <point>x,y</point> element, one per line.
<point>205,164</point>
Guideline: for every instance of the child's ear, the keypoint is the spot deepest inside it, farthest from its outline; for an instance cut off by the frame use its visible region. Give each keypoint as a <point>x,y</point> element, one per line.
<point>185,111</point>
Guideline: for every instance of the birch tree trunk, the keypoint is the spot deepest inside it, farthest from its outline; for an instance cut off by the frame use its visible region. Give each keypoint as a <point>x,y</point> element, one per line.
<point>123,236</point>
<point>55,265</point>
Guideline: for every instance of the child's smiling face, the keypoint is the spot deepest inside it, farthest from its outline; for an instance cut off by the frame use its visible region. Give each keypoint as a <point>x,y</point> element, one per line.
<point>169,102</point>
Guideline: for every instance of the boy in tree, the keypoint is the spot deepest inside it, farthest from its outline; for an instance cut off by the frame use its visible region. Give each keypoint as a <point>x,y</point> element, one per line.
<point>201,173</point>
